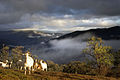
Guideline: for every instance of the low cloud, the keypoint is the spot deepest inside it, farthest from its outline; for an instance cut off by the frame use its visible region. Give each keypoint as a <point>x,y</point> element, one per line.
<point>67,44</point>
<point>61,51</point>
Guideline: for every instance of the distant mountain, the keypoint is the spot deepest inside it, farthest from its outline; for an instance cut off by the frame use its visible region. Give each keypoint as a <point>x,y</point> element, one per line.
<point>112,33</point>
<point>25,37</point>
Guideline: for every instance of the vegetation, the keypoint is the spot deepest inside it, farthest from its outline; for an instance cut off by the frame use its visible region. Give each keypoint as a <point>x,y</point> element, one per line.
<point>101,55</point>
<point>11,74</point>
<point>77,67</point>
<point>117,58</point>
<point>16,54</point>
<point>54,67</point>
<point>4,53</point>
<point>104,61</point>
<point>115,71</point>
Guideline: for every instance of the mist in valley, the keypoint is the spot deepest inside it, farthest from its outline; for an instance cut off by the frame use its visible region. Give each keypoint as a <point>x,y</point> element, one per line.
<point>66,50</point>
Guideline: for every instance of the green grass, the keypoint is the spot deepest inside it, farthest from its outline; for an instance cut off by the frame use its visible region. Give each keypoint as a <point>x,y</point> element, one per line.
<point>10,74</point>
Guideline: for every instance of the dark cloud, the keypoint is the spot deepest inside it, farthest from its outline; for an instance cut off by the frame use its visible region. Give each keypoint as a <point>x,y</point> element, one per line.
<point>105,7</point>
<point>101,7</point>
<point>9,17</point>
<point>11,11</point>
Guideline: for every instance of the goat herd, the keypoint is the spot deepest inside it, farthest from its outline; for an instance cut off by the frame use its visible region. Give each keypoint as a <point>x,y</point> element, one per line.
<point>28,64</point>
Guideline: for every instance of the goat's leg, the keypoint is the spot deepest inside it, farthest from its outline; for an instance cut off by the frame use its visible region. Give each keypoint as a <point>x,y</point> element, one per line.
<point>45,69</point>
<point>10,65</point>
<point>25,70</point>
<point>21,68</point>
<point>32,69</point>
<point>29,69</point>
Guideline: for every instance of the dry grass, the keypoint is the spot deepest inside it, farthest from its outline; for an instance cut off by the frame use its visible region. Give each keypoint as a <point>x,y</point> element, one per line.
<point>9,74</point>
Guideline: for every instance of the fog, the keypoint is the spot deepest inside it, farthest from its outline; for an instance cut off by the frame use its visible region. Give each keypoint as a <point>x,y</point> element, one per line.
<point>66,50</point>
<point>62,51</point>
<point>68,44</point>
<point>114,43</point>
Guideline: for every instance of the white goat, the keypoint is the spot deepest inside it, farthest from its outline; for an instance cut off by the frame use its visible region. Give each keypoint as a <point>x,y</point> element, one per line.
<point>43,65</point>
<point>4,64</point>
<point>28,62</point>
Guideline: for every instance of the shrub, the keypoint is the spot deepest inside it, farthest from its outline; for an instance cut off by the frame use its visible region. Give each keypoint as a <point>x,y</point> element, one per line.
<point>77,67</point>
<point>53,67</point>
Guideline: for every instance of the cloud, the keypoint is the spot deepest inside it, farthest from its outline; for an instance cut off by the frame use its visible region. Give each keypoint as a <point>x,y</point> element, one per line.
<point>63,51</point>
<point>56,23</point>
<point>58,14</point>
<point>104,7</point>
<point>66,50</point>
<point>71,44</point>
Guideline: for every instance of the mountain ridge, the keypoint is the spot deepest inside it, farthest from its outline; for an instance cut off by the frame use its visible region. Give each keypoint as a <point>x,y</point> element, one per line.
<point>104,33</point>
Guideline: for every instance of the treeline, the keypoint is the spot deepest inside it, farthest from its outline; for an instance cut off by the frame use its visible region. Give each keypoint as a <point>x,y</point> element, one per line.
<point>102,60</point>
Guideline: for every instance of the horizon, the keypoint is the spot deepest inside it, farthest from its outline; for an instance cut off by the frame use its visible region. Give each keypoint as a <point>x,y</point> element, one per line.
<point>67,31</point>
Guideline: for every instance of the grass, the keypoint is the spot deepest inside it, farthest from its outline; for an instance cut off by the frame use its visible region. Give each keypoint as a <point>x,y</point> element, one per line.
<point>10,74</point>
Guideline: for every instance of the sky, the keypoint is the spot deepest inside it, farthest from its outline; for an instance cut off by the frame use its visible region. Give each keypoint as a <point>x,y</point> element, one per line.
<point>58,15</point>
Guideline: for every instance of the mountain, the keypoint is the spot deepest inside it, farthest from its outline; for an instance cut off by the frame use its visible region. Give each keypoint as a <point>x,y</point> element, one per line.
<point>25,37</point>
<point>104,33</point>
<point>59,47</point>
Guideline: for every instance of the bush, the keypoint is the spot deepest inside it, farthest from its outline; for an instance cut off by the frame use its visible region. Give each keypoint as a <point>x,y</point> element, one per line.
<point>54,67</point>
<point>77,67</point>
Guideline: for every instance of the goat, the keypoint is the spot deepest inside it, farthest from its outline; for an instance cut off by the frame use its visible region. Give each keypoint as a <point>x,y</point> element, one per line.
<point>28,62</point>
<point>43,65</point>
<point>4,64</point>
<point>35,66</point>
<point>20,64</point>
<point>39,67</point>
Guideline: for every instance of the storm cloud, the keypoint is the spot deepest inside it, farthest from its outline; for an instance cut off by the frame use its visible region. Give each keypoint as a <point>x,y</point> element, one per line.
<point>19,14</point>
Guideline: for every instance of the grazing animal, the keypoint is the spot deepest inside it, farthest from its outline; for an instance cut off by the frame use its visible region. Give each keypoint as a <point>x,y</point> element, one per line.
<point>43,65</point>
<point>20,64</point>
<point>35,66</point>
<point>28,63</point>
<point>4,64</point>
<point>39,67</point>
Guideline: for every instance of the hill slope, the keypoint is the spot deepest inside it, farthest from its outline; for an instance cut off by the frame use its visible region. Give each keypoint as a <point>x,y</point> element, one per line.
<point>104,33</point>
<point>25,37</point>
<point>9,74</point>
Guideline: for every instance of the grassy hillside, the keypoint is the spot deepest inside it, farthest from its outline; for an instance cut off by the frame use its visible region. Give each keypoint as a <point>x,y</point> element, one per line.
<point>9,74</point>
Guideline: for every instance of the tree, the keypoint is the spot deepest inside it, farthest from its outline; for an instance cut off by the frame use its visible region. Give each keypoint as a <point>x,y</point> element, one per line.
<point>101,55</point>
<point>4,53</point>
<point>17,53</point>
